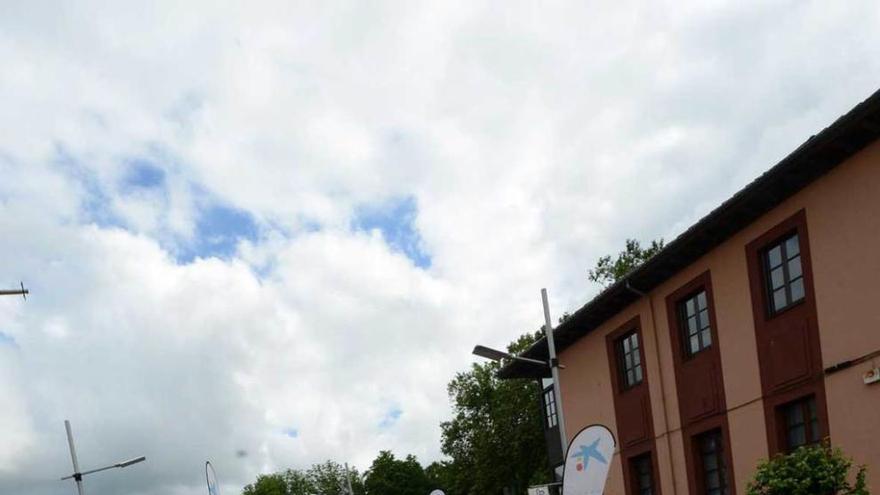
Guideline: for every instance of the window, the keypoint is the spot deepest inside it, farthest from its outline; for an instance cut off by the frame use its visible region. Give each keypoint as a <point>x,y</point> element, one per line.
<point>714,472</point>
<point>643,475</point>
<point>783,274</point>
<point>630,360</point>
<point>694,313</point>
<point>801,425</point>
<point>550,408</point>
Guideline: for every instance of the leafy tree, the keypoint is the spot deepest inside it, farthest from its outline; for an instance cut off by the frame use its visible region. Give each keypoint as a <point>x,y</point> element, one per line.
<point>441,476</point>
<point>815,470</point>
<point>390,476</point>
<point>608,271</point>
<point>495,439</point>
<point>327,478</point>
<point>268,484</point>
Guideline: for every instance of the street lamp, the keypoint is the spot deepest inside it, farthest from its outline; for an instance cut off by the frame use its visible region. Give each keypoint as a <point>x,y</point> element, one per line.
<point>552,363</point>
<point>77,475</point>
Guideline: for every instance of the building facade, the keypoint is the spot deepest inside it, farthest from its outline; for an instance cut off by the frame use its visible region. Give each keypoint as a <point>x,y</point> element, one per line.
<point>748,335</point>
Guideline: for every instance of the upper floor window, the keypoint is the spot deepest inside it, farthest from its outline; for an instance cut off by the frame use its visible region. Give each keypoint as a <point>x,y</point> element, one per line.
<point>643,475</point>
<point>800,423</point>
<point>783,274</point>
<point>550,408</point>
<point>630,359</point>
<point>714,472</point>
<point>695,326</point>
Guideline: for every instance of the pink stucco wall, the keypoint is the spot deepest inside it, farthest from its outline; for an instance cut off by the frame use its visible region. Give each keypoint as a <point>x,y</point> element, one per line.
<point>843,219</point>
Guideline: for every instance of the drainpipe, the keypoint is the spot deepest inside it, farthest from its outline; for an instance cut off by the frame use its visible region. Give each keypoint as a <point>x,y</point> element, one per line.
<point>662,387</point>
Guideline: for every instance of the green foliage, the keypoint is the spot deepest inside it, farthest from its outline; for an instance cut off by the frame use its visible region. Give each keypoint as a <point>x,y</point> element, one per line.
<point>390,476</point>
<point>327,478</point>
<point>815,470</point>
<point>441,475</point>
<point>608,271</point>
<point>495,439</point>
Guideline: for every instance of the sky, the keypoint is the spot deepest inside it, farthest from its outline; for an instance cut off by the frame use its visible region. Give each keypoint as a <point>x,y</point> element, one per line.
<point>268,234</point>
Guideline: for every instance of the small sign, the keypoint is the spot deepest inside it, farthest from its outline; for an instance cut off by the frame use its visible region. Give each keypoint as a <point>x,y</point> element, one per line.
<point>539,490</point>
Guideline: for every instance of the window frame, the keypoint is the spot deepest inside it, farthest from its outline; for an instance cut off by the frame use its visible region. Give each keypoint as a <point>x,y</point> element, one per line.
<point>548,401</point>
<point>683,317</point>
<point>767,277</point>
<point>635,463</point>
<point>620,354</point>
<point>721,461</point>
<point>810,421</point>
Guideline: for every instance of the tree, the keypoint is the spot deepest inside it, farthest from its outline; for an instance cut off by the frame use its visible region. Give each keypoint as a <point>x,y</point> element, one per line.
<point>267,484</point>
<point>814,470</point>
<point>390,476</point>
<point>495,439</point>
<point>328,478</point>
<point>608,271</point>
<point>441,475</point>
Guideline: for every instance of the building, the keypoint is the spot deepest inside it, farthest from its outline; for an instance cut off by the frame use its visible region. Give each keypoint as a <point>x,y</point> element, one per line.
<point>748,335</point>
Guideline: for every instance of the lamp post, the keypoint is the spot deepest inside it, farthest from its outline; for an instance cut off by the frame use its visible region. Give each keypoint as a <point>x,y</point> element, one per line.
<point>552,363</point>
<point>77,475</point>
<point>16,292</point>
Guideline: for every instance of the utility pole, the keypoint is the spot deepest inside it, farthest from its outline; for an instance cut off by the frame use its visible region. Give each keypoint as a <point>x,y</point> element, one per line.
<point>16,292</point>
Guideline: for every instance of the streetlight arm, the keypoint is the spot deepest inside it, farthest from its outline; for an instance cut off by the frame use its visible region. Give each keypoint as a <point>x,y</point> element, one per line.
<point>117,465</point>
<point>496,355</point>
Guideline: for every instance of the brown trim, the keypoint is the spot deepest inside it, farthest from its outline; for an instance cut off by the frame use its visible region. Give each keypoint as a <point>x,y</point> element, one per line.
<point>699,383</point>
<point>632,406</point>
<point>789,353</point>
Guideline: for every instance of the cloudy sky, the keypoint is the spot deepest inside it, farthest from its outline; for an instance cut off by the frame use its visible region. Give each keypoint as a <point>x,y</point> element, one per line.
<point>281,228</point>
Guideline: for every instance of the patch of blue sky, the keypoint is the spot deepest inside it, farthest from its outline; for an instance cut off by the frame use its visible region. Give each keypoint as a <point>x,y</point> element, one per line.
<point>291,432</point>
<point>396,220</point>
<point>219,228</point>
<point>391,417</point>
<point>6,339</point>
<point>142,174</point>
<point>96,203</point>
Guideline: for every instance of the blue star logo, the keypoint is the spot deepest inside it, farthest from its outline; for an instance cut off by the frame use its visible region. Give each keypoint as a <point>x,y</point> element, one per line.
<point>587,452</point>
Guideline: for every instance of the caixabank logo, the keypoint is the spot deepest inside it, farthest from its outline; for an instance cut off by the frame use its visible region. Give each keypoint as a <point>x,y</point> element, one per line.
<point>585,453</point>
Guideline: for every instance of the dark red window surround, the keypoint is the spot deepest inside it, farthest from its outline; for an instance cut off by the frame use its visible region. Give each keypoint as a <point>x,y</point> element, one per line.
<point>696,350</point>
<point>632,402</point>
<point>786,325</point>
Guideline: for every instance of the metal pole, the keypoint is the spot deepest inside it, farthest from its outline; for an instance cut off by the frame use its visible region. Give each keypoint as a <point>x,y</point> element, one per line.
<point>16,292</point>
<point>554,371</point>
<point>77,476</point>
<point>348,480</point>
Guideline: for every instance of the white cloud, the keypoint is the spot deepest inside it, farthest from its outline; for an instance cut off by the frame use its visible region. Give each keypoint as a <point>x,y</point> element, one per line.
<point>533,138</point>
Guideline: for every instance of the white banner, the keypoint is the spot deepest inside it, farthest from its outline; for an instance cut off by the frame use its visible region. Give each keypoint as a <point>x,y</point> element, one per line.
<point>587,461</point>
